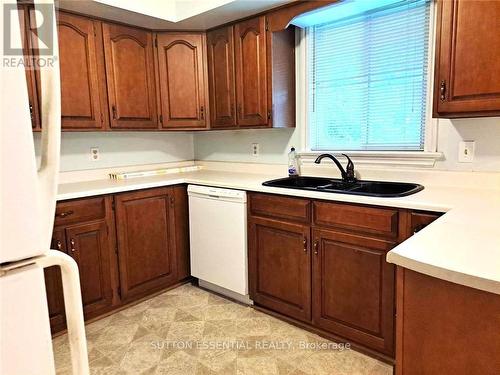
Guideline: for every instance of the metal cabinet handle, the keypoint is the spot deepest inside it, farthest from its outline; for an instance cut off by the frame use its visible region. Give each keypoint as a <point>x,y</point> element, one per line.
<point>72,242</point>
<point>418,228</point>
<point>59,245</point>
<point>305,245</point>
<point>316,247</point>
<point>65,213</point>
<point>442,91</point>
<point>202,112</point>
<point>31,111</point>
<point>113,109</point>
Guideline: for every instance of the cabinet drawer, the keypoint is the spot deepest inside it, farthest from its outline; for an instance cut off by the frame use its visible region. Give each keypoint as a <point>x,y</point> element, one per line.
<point>80,210</point>
<point>372,220</point>
<point>419,220</point>
<point>277,206</point>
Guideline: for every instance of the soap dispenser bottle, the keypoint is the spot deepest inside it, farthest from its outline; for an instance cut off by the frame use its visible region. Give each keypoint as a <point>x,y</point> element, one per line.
<point>293,164</point>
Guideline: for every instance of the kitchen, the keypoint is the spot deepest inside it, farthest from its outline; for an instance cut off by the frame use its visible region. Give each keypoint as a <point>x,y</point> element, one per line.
<point>246,187</point>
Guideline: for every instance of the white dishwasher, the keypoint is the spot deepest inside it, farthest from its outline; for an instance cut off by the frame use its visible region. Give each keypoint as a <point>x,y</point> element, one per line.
<point>218,237</point>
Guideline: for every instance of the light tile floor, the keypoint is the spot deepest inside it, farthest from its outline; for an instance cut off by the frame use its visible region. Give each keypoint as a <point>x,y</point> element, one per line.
<point>190,331</point>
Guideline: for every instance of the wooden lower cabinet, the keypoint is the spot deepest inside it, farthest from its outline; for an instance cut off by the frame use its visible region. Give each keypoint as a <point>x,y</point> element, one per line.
<point>419,220</point>
<point>53,286</point>
<point>148,251</point>
<point>82,231</point>
<point>144,222</point>
<point>353,288</point>
<point>280,266</point>
<point>181,231</point>
<point>322,265</point>
<point>88,244</point>
<point>445,328</point>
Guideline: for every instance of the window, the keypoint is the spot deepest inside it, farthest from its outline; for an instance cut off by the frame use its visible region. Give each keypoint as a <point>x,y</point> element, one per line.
<point>367,77</point>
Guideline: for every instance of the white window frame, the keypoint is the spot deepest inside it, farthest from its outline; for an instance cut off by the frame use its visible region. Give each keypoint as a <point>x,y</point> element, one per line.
<point>425,158</point>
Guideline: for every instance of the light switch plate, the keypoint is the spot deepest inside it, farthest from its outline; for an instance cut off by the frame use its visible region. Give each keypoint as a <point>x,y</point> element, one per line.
<point>466,151</point>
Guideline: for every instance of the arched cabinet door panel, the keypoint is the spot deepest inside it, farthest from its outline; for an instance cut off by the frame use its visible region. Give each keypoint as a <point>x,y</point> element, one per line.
<point>33,103</point>
<point>130,77</point>
<point>220,51</point>
<point>81,60</point>
<point>182,78</point>
<point>83,93</point>
<point>251,72</point>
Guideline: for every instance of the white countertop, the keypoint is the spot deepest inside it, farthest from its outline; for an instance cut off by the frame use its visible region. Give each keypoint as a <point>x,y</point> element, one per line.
<point>462,246</point>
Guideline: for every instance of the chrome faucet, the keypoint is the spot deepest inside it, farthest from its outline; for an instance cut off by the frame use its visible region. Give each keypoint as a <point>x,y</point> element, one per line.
<point>348,174</point>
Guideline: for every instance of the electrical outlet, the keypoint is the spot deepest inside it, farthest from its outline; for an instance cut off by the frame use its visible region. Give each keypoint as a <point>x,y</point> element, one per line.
<point>466,151</point>
<point>94,153</point>
<point>255,149</point>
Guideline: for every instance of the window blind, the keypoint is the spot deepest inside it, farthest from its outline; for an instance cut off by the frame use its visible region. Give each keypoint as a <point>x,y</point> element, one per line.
<point>367,79</point>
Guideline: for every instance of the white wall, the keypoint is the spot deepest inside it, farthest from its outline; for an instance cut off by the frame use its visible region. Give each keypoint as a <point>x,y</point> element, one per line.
<point>231,145</point>
<point>137,148</point>
<point>275,144</point>
<point>486,134</point>
<point>122,149</point>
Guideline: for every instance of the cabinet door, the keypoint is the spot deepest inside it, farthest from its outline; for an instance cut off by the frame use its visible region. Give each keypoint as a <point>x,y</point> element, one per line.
<point>467,78</point>
<point>88,245</point>
<point>220,45</point>
<point>53,286</point>
<point>280,267</point>
<point>83,91</point>
<point>353,288</point>
<point>182,80</point>
<point>30,73</point>
<point>145,241</point>
<point>130,77</point>
<point>251,72</point>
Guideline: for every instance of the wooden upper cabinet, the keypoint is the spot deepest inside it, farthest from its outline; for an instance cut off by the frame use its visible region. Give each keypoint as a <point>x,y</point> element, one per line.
<point>251,72</point>
<point>30,73</point>
<point>181,64</point>
<point>281,78</point>
<point>467,77</point>
<point>146,242</point>
<point>83,91</point>
<point>130,77</point>
<point>220,51</point>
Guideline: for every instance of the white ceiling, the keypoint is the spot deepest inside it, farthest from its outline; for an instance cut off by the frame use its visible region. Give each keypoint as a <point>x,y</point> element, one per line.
<point>171,14</point>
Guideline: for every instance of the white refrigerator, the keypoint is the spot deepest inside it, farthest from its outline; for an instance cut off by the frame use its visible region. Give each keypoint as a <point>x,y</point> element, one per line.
<point>28,198</point>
